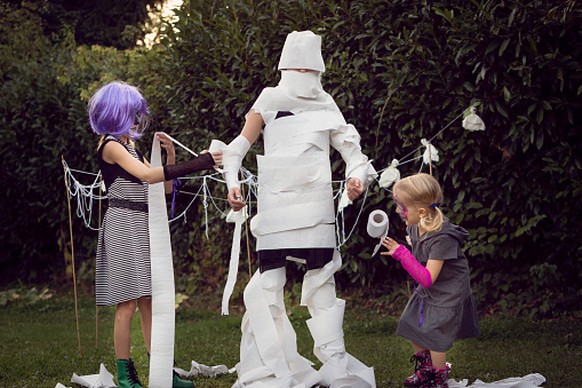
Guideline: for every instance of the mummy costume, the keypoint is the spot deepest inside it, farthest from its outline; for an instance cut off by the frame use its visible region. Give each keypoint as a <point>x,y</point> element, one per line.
<point>296,219</point>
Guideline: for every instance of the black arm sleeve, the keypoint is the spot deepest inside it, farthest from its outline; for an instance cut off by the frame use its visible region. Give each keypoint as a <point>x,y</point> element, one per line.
<point>202,162</point>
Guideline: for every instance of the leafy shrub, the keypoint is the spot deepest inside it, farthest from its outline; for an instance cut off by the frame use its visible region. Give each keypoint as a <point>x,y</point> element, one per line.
<point>400,71</point>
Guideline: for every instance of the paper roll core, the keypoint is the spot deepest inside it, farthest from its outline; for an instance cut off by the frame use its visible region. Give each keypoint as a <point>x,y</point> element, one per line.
<point>377,224</point>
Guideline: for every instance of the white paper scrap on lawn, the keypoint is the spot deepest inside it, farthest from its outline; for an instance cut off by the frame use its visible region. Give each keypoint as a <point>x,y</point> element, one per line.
<point>378,225</point>
<point>237,218</point>
<point>163,296</point>
<point>202,370</point>
<point>103,379</point>
<point>531,380</point>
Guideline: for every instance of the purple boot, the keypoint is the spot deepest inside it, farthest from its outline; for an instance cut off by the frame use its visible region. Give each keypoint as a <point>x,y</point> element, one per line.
<point>423,364</point>
<point>436,378</point>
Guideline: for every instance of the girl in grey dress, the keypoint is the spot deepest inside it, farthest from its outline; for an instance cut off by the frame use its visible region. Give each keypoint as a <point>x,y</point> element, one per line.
<point>119,113</point>
<point>441,308</point>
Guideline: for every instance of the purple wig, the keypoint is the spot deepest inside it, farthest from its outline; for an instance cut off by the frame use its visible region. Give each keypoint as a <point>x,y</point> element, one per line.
<point>118,109</point>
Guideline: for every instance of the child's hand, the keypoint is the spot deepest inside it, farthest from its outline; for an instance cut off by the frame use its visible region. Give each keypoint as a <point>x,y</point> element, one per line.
<point>216,155</point>
<point>355,188</point>
<point>235,200</point>
<point>166,143</point>
<point>389,244</point>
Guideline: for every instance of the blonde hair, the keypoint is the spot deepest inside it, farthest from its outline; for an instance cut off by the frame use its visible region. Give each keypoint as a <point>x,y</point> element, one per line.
<point>422,190</point>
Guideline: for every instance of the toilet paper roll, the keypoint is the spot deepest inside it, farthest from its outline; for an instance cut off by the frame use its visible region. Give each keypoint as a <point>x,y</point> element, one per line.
<point>377,224</point>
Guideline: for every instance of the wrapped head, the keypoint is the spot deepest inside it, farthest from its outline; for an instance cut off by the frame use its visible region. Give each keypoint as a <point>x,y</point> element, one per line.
<point>302,50</point>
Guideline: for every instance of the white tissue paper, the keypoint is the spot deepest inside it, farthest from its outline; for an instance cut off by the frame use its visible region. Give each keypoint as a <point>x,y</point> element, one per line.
<point>215,146</point>
<point>202,370</point>
<point>103,379</point>
<point>344,200</point>
<point>531,380</point>
<point>238,218</point>
<point>163,295</point>
<point>473,122</point>
<point>390,175</point>
<point>430,153</point>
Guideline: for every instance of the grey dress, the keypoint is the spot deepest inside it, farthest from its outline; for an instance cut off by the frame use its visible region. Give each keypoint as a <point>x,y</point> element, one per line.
<point>436,316</point>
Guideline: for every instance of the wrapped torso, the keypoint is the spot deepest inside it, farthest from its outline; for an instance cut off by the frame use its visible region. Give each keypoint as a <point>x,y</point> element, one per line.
<point>295,196</point>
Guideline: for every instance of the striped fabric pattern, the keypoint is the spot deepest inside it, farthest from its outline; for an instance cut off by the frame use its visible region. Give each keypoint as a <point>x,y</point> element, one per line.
<point>123,270</point>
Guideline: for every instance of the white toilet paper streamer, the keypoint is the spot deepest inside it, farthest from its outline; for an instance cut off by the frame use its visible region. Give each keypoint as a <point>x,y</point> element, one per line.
<point>237,218</point>
<point>163,296</point>
<point>378,225</point>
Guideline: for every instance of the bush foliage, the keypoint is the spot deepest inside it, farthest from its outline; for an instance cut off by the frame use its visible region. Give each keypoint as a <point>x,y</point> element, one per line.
<point>400,71</point>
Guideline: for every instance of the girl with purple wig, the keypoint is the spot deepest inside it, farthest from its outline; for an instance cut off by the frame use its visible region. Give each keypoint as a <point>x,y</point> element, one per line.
<point>119,113</point>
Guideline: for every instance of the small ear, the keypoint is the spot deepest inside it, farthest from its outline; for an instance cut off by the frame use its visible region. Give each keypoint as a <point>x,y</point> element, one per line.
<point>422,212</point>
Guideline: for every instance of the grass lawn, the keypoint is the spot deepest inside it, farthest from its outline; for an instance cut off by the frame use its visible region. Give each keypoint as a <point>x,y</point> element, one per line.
<point>38,345</point>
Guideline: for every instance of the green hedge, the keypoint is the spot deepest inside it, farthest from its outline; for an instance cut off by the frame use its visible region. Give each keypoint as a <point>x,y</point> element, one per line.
<point>400,71</point>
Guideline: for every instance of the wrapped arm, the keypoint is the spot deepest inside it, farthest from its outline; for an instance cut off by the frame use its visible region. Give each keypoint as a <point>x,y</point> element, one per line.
<point>232,157</point>
<point>412,266</point>
<point>346,140</point>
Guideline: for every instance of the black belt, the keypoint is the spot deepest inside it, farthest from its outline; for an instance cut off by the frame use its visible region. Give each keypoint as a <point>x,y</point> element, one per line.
<point>127,204</point>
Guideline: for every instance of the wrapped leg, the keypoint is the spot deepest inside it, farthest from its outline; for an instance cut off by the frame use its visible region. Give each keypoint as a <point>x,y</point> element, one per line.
<point>340,369</point>
<point>268,352</point>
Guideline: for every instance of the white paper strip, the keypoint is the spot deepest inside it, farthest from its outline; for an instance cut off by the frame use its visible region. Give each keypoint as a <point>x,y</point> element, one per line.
<point>327,327</point>
<point>102,380</point>
<point>238,218</point>
<point>528,381</point>
<point>261,321</point>
<point>163,296</point>
<point>359,375</point>
<point>198,369</point>
<point>181,145</point>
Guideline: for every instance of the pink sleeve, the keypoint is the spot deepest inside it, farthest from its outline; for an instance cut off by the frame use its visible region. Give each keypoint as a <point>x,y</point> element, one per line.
<point>412,266</point>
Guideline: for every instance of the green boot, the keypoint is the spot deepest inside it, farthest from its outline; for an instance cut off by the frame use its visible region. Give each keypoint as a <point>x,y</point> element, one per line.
<point>177,382</point>
<point>127,375</point>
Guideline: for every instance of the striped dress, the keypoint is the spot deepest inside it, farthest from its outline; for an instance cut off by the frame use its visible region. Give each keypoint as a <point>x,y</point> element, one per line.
<point>123,270</point>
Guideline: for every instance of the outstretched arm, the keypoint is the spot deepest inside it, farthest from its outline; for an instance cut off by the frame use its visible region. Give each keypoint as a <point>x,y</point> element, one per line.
<point>359,170</point>
<point>235,153</point>
<point>425,276</point>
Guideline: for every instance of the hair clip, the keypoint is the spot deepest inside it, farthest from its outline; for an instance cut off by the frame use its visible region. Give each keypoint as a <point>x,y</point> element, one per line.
<point>434,205</point>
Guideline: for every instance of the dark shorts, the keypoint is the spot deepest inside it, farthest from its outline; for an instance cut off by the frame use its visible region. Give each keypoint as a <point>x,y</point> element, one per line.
<point>275,258</point>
